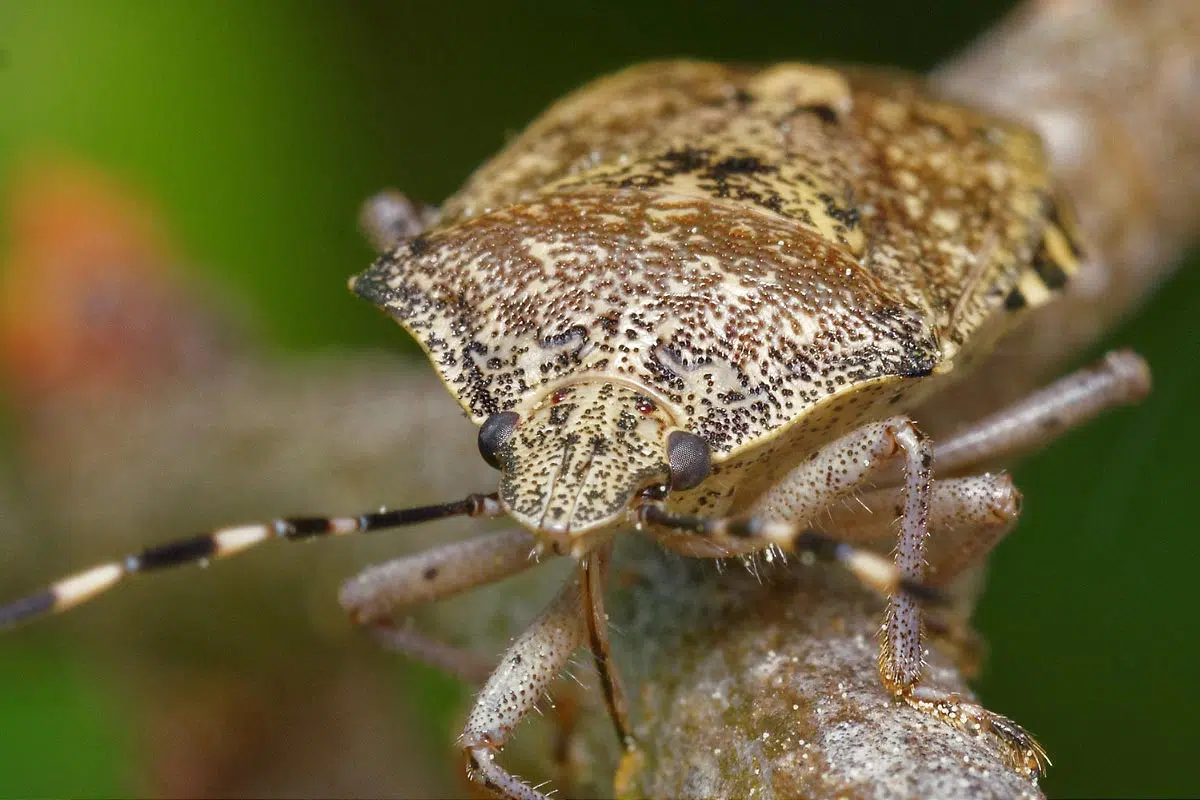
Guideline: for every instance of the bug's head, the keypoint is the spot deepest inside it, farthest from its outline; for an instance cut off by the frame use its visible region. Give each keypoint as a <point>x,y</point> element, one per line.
<point>572,461</point>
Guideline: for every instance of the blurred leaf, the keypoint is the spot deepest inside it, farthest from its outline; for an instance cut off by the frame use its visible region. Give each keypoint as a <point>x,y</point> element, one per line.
<point>66,715</point>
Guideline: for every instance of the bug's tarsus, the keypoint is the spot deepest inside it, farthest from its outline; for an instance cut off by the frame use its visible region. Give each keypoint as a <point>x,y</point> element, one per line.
<point>83,586</point>
<point>483,769</point>
<point>1021,750</point>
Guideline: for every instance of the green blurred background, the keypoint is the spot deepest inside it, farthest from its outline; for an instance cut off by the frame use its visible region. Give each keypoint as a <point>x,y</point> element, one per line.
<point>259,127</point>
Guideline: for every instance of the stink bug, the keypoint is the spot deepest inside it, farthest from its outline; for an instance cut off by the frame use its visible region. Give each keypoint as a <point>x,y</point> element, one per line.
<point>708,303</point>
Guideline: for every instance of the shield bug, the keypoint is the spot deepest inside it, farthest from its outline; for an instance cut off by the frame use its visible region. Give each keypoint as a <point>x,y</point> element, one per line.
<point>707,303</point>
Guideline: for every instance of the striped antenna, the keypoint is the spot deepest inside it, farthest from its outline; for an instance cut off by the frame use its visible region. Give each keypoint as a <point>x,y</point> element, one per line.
<point>83,586</point>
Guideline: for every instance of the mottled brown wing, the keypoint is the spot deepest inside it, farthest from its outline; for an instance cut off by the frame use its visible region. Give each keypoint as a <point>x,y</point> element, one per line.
<point>954,203</point>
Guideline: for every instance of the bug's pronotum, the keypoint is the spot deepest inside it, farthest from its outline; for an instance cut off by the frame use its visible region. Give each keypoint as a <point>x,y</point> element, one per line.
<point>708,303</point>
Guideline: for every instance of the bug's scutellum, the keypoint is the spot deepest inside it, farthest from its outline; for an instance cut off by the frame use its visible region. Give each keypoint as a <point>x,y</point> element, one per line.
<point>707,303</point>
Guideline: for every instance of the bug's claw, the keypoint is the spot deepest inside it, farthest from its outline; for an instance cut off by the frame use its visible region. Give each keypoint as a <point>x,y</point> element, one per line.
<point>1021,751</point>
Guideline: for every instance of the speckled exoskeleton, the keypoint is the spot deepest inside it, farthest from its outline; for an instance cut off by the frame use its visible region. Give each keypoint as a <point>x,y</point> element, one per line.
<point>707,304</point>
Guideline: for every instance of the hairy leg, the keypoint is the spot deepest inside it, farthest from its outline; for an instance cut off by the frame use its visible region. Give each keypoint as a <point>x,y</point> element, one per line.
<point>530,664</point>
<point>379,593</point>
<point>1122,377</point>
<point>967,518</point>
<point>782,518</point>
<point>375,596</point>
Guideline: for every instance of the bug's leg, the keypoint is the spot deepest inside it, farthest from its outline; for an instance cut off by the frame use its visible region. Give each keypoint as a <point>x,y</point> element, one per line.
<point>785,512</point>
<point>388,218</point>
<point>83,586</point>
<point>1122,377</point>
<point>456,661</point>
<point>375,596</point>
<point>595,566</point>
<point>782,517</point>
<point>380,592</point>
<point>1021,750</point>
<point>529,665</point>
<point>967,518</point>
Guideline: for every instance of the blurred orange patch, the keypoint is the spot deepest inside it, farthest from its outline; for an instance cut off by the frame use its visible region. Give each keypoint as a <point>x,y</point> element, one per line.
<point>92,298</point>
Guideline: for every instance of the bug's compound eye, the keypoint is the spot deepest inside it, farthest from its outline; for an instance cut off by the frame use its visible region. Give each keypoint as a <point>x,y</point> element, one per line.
<point>688,458</point>
<point>495,433</point>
